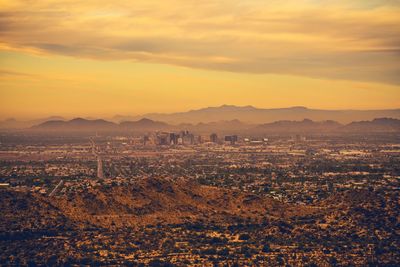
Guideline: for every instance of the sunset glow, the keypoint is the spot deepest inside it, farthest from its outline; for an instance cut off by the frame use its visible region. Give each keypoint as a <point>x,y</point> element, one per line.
<point>85,58</point>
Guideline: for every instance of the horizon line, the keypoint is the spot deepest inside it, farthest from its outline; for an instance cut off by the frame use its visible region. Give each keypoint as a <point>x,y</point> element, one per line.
<point>142,115</point>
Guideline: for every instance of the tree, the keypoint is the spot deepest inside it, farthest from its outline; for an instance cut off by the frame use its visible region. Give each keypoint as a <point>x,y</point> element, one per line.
<point>160,263</point>
<point>266,248</point>
<point>244,237</point>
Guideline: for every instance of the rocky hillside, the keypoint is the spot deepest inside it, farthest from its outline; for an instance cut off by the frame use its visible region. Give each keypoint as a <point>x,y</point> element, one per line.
<point>153,201</point>
<point>25,215</point>
<point>150,201</point>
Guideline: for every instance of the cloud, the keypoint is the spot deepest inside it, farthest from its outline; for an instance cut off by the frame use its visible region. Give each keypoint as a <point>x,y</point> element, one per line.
<point>11,73</point>
<point>324,39</point>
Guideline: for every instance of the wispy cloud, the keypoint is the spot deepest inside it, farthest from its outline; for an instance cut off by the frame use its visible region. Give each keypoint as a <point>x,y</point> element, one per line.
<point>329,39</point>
<point>10,73</point>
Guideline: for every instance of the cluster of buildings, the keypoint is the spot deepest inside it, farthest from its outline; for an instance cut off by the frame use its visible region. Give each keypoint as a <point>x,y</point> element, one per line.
<point>166,138</point>
<point>188,138</point>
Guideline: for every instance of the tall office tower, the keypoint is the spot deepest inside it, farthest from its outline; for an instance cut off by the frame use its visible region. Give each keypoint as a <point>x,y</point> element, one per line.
<point>146,140</point>
<point>163,139</point>
<point>214,138</point>
<point>173,137</point>
<point>100,174</point>
<point>232,139</point>
<point>188,139</point>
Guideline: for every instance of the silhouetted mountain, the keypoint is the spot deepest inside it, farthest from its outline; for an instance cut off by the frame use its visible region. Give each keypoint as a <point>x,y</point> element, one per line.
<point>376,125</point>
<point>250,114</point>
<point>77,124</point>
<point>144,124</point>
<point>227,114</point>
<point>304,126</point>
<point>230,127</point>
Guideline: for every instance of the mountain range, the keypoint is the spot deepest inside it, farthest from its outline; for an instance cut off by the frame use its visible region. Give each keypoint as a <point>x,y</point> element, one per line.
<point>227,118</point>
<point>253,115</point>
<point>228,127</point>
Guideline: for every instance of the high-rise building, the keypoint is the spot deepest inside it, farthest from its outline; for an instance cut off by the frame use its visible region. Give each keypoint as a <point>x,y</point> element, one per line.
<point>100,174</point>
<point>214,138</point>
<point>163,139</point>
<point>188,139</point>
<point>173,137</point>
<point>232,139</point>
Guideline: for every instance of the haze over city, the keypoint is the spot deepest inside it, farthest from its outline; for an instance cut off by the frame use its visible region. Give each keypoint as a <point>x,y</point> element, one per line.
<point>71,58</point>
<point>199,133</point>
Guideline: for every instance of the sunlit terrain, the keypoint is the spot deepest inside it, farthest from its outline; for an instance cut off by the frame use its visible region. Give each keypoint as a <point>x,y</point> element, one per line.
<point>199,133</point>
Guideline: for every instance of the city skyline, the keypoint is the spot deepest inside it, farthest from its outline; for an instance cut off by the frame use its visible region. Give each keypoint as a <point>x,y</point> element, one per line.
<point>73,59</point>
<point>199,133</point>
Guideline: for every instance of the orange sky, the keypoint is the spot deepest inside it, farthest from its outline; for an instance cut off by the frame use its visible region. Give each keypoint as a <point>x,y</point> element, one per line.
<point>101,58</point>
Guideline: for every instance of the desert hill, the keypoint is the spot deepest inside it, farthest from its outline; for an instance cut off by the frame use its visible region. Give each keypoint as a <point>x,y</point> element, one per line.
<point>153,201</point>
<point>24,215</point>
<point>150,201</point>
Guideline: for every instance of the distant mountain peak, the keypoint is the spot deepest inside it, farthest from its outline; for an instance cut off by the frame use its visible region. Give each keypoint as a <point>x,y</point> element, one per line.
<point>299,108</point>
<point>78,120</point>
<point>76,124</point>
<point>227,108</point>
<point>145,120</point>
<point>251,114</point>
<point>144,124</point>
<point>236,107</point>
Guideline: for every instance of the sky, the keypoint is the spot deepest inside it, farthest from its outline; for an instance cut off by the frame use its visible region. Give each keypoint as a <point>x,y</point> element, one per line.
<point>101,58</point>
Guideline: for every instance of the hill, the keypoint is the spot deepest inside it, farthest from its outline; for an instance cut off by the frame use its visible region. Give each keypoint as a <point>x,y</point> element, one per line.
<point>387,125</point>
<point>77,124</point>
<point>376,125</point>
<point>153,219</point>
<point>153,201</point>
<point>149,201</point>
<point>24,215</point>
<point>16,124</point>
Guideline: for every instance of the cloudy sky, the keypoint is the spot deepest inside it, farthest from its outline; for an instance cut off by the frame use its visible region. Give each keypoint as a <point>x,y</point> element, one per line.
<point>101,58</point>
